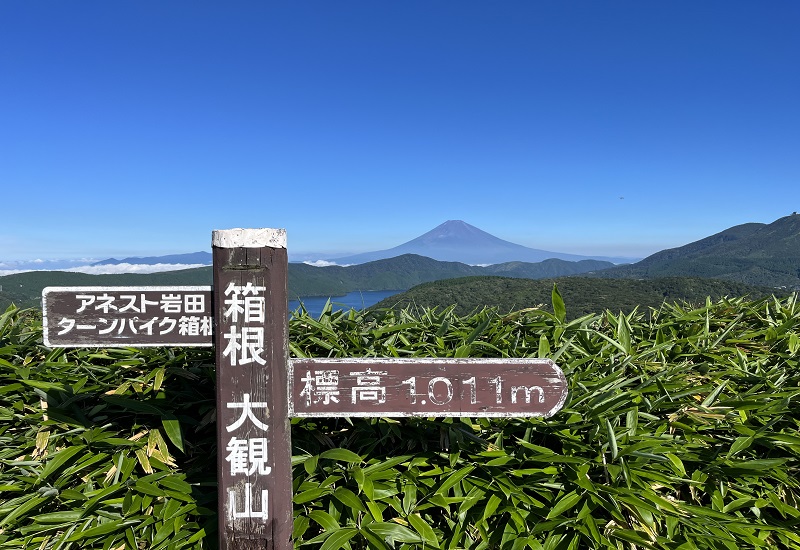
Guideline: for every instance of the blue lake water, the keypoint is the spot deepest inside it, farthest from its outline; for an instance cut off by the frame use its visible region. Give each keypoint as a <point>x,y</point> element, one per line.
<point>354,300</point>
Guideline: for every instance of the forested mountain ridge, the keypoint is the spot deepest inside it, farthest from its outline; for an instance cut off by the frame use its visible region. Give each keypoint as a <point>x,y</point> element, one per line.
<point>582,295</point>
<point>751,253</point>
<point>408,270</point>
<point>400,273</point>
<point>25,289</point>
<point>766,255</point>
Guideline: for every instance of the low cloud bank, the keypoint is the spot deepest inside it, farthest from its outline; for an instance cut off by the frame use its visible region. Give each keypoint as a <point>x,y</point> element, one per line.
<point>325,263</point>
<point>104,269</point>
<point>38,264</point>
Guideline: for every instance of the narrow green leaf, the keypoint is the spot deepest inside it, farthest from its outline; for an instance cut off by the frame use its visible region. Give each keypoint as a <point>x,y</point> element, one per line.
<point>58,459</point>
<point>794,343</point>
<point>31,503</point>
<point>566,502</point>
<point>310,465</point>
<point>544,346</point>
<point>172,427</point>
<point>424,529</point>
<point>740,444</point>
<point>325,520</point>
<point>349,498</point>
<point>634,537</point>
<point>478,331</point>
<point>310,495</point>
<point>394,531</point>
<point>559,309</point>
<point>343,455</point>
<point>624,333</point>
<point>101,529</point>
<point>163,532</point>
<point>337,539</point>
<point>58,517</point>
<point>454,478</point>
<point>612,439</point>
<point>386,464</point>
<point>708,401</point>
<point>375,510</point>
<point>491,506</point>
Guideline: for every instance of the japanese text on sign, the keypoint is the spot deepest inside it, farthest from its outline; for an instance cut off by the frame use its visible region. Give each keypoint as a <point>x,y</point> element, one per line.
<point>247,457</point>
<point>244,305</point>
<point>242,331</point>
<point>426,387</point>
<point>143,316</point>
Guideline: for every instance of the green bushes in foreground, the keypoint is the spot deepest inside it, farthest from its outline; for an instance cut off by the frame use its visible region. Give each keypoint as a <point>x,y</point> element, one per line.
<point>681,430</point>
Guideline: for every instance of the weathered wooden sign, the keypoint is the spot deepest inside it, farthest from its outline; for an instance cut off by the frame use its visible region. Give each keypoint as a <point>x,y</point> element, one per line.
<point>127,316</point>
<point>426,387</point>
<point>254,463</point>
<point>259,389</point>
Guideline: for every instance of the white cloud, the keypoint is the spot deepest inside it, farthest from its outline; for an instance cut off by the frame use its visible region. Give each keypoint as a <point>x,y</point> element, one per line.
<point>39,264</point>
<point>324,263</point>
<point>108,269</point>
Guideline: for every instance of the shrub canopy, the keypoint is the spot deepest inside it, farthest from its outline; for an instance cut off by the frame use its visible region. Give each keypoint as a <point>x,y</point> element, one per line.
<point>681,430</point>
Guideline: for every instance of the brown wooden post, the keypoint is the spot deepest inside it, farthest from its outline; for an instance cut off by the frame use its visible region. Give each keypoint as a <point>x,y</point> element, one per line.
<point>253,430</point>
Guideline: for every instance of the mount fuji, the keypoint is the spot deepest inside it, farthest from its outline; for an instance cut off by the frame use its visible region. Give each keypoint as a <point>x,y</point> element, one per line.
<point>458,241</point>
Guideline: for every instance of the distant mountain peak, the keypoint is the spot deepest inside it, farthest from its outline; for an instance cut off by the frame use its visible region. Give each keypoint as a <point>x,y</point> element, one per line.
<point>458,241</point>
<point>456,233</point>
<point>192,258</point>
<point>752,253</point>
<point>455,225</point>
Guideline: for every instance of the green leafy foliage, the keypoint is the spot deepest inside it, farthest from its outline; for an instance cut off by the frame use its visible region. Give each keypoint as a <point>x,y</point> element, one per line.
<point>681,430</point>
<point>103,448</point>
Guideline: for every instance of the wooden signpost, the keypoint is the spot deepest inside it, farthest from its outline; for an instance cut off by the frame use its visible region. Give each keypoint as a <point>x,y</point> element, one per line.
<point>425,387</point>
<point>254,463</point>
<point>127,316</point>
<point>259,388</point>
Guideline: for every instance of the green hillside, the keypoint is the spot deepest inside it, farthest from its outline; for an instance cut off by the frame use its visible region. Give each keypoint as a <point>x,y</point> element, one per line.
<point>394,273</point>
<point>548,268</point>
<point>25,289</point>
<point>584,295</point>
<point>753,253</point>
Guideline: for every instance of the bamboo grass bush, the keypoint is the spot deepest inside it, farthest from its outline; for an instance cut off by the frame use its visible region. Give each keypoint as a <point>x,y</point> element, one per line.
<point>681,430</point>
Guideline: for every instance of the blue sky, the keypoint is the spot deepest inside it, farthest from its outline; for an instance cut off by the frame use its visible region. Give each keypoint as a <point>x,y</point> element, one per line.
<point>616,128</point>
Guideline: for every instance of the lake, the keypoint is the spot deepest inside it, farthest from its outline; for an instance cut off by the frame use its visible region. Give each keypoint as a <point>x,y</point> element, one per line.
<point>353,300</point>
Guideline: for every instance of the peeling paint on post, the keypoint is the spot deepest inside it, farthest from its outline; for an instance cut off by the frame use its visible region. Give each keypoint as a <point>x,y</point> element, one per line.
<point>253,432</point>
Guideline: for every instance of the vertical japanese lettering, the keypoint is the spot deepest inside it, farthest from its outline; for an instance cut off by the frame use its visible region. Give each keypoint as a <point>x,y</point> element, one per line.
<point>245,344</point>
<point>253,431</point>
<point>247,413</point>
<point>247,509</point>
